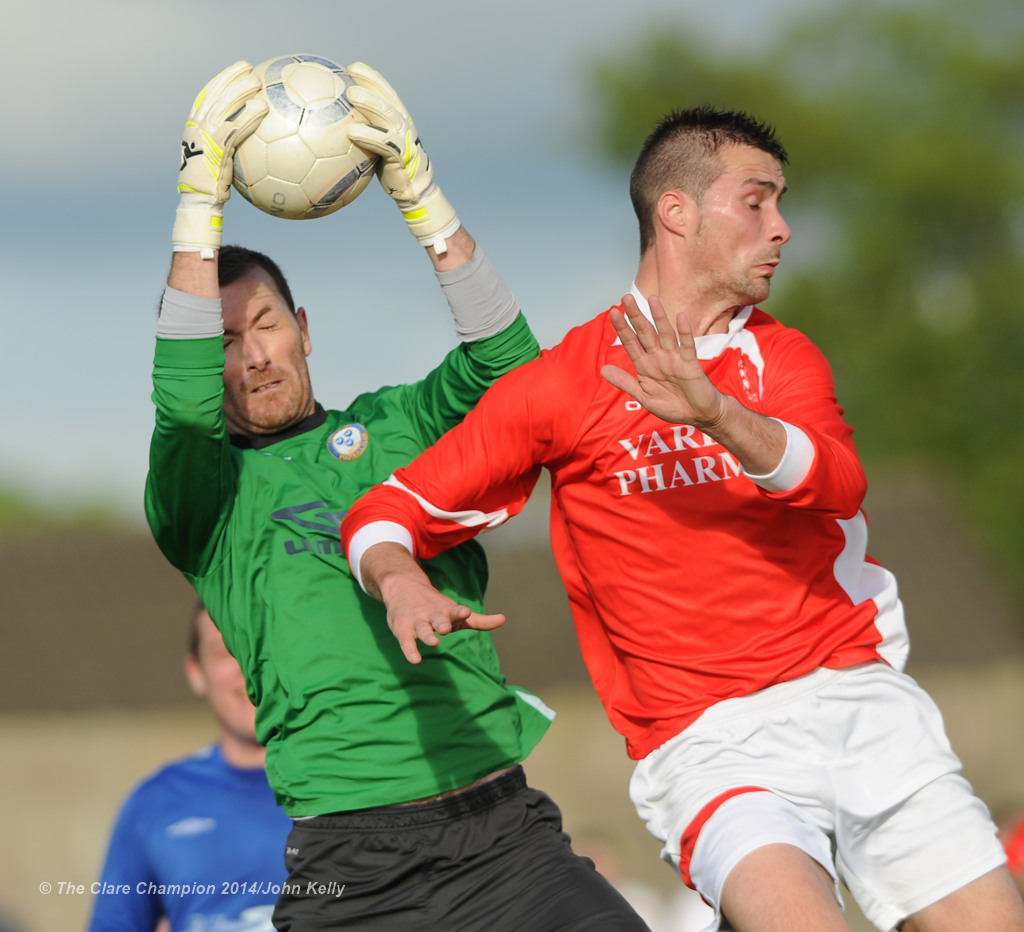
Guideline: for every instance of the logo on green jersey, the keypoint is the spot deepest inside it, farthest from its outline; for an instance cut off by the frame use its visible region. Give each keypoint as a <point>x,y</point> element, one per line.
<point>313,516</point>
<point>348,442</point>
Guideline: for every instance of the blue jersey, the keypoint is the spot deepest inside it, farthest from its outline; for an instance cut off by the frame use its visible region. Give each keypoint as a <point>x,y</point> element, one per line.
<point>201,842</point>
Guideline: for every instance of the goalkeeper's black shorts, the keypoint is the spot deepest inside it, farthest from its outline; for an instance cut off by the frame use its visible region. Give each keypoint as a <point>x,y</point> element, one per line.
<point>489,859</point>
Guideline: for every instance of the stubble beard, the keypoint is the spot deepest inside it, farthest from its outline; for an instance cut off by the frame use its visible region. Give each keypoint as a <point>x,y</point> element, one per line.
<point>285,407</point>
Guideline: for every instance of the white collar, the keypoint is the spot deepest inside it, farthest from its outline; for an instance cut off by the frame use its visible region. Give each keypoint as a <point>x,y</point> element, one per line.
<point>709,345</point>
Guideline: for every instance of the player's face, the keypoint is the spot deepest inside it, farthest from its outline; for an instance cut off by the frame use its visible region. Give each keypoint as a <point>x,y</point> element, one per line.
<point>266,380</point>
<point>216,676</point>
<point>741,232</point>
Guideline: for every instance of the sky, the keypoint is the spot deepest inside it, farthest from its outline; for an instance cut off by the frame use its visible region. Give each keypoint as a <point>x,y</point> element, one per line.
<point>95,98</point>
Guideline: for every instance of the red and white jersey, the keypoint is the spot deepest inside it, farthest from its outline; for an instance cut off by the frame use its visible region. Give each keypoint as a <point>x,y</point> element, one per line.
<point>689,581</point>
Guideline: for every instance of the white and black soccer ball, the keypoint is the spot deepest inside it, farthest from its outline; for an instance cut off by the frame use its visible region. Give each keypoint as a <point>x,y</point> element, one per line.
<point>300,163</point>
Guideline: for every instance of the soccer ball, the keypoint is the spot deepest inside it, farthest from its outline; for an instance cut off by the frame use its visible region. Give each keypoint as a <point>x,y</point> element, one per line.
<point>300,163</point>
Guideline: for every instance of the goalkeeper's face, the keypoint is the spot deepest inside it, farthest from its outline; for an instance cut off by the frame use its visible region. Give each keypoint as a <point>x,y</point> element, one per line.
<point>266,380</point>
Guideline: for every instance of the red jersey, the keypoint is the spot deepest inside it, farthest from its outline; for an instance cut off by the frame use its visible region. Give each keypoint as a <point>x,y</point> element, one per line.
<point>690,581</point>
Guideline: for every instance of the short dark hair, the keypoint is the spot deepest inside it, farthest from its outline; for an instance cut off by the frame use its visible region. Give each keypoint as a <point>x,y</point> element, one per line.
<point>235,261</point>
<point>681,153</point>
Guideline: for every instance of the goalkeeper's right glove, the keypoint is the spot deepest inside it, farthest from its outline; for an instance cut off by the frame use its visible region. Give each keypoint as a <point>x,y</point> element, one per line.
<point>226,111</point>
<point>404,171</point>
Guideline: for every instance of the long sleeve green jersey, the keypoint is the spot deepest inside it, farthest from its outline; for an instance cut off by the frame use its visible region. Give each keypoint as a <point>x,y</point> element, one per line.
<point>348,723</point>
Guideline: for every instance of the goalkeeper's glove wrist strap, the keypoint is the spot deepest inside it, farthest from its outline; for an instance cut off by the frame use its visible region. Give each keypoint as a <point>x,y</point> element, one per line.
<point>440,240</point>
<point>432,219</point>
<point>198,228</point>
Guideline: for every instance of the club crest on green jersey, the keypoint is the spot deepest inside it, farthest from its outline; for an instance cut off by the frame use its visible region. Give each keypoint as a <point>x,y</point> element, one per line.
<point>348,442</point>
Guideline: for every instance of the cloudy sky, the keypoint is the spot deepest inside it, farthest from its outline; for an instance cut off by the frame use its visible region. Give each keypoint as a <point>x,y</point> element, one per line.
<point>94,99</point>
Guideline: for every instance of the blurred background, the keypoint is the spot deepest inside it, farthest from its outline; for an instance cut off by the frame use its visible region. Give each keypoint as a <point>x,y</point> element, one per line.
<point>905,127</point>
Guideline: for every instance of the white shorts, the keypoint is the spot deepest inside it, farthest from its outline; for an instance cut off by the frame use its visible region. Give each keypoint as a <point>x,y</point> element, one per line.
<point>858,773</point>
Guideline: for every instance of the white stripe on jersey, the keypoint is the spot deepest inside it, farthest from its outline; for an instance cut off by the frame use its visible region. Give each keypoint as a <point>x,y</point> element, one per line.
<point>482,519</point>
<point>862,580</point>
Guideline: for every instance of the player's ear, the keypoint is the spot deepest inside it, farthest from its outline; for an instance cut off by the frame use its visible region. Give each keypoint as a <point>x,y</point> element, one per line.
<point>300,317</point>
<point>194,674</point>
<point>677,212</point>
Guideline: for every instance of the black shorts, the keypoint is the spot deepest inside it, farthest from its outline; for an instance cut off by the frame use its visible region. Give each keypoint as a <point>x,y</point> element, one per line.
<point>489,859</point>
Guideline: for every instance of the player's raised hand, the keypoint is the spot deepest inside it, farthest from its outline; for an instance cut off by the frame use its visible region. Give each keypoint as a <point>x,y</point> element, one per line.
<point>224,113</point>
<point>669,381</point>
<point>390,133</point>
<point>404,171</point>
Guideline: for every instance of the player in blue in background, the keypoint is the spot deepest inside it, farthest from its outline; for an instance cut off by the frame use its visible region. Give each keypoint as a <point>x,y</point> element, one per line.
<point>199,845</point>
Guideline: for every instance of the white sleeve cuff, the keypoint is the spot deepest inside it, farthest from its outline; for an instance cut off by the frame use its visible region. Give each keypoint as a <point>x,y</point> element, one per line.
<point>796,462</point>
<point>480,301</point>
<point>185,316</point>
<point>376,532</point>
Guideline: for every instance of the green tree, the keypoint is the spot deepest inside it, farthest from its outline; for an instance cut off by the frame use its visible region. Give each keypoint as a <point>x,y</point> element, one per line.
<point>905,128</point>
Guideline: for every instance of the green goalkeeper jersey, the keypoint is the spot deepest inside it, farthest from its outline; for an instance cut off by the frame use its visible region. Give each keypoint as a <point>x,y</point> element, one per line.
<point>348,723</point>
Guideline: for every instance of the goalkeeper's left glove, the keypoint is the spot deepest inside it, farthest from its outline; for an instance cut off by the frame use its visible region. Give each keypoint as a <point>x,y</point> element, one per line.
<point>226,111</point>
<point>404,170</point>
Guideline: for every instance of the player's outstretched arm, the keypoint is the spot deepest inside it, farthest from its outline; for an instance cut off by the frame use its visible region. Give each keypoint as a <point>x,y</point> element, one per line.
<point>190,487</point>
<point>670,383</point>
<point>224,113</point>
<point>405,171</point>
<point>416,611</point>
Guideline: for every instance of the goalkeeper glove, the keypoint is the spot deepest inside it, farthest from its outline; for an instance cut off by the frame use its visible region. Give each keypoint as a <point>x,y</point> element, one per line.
<point>404,170</point>
<point>226,111</point>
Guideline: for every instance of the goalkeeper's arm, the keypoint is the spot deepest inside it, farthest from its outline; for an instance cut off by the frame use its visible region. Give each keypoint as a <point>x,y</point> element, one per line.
<point>481,303</point>
<point>224,113</point>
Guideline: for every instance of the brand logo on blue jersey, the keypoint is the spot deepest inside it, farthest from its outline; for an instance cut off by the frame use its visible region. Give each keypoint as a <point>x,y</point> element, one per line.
<point>193,825</point>
<point>348,442</point>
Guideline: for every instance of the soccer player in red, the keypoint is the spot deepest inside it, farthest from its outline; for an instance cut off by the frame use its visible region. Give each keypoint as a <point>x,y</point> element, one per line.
<point>706,520</point>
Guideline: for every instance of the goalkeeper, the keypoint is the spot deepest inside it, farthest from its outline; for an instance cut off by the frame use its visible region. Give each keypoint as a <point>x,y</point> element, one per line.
<point>410,807</point>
